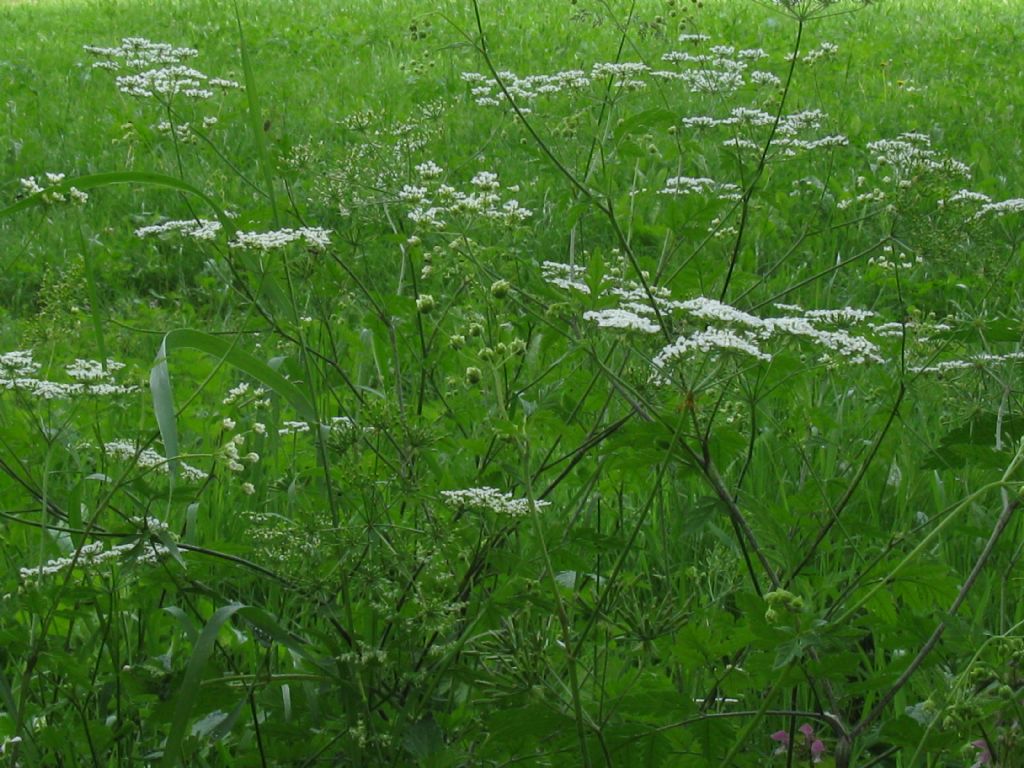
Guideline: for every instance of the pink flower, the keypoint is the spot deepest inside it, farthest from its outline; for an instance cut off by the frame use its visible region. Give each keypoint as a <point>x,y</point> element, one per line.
<point>984,753</point>
<point>814,747</point>
<point>783,738</point>
<point>817,750</point>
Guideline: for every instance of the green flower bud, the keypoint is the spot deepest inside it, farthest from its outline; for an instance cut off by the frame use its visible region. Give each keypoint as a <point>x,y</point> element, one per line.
<point>500,289</point>
<point>425,304</point>
<point>473,375</point>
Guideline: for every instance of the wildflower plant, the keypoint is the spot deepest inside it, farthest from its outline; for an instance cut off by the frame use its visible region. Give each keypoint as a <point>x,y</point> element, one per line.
<point>613,403</point>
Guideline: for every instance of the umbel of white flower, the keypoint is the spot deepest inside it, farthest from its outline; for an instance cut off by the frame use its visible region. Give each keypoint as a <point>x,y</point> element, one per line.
<point>490,500</point>
<point>314,237</point>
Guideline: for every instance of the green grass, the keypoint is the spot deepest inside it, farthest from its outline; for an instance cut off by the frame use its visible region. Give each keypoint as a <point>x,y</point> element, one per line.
<point>249,551</point>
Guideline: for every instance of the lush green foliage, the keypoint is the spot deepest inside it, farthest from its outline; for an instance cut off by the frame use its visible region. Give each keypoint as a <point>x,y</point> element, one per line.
<point>593,383</point>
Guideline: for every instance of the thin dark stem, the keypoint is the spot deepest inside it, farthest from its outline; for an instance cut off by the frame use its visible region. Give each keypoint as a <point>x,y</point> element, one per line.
<point>748,194</point>
<point>929,646</point>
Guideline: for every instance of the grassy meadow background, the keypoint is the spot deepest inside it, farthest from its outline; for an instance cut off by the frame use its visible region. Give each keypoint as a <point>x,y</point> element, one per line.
<point>669,418</point>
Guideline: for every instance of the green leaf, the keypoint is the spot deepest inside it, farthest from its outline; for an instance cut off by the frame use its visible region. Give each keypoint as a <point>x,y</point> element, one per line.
<point>644,121</point>
<point>188,694</point>
<point>163,406</point>
<point>215,725</point>
<point>972,443</point>
<point>423,739</point>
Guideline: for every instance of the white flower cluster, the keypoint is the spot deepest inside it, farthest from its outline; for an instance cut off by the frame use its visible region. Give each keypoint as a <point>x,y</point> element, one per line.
<point>182,131</point>
<point>856,349</point>
<point>282,539</point>
<point>965,196</point>
<point>18,371</point>
<point>623,319</point>
<point>92,370</point>
<point>824,50</point>
<point>156,69</point>
<point>485,90</point>
<point>1003,207</point>
<point>198,229</point>
<point>244,390</point>
<point>843,315</point>
<point>490,499</point>
<point>95,555</point>
<point>32,186</point>
<point>911,153</point>
<point>891,260</point>
<point>709,340</point>
<point>565,276</point>
<point>139,53</point>
<point>760,77</point>
<point>985,204</point>
<point>976,361</point>
<point>314,237</point>
<point>430,203</point>
<point>721,70</point>
<point>147,458</point>
<point>627,74</point>
<point>746,333</point>
<point>21,362</point>
<point>787,140</point>
<point>875,195</point>
<point>429,170</point>
<point>169,81</point>
<point>689,185</point>
<point>230,453</point>
<point>632,295</point>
